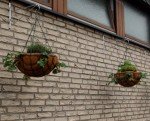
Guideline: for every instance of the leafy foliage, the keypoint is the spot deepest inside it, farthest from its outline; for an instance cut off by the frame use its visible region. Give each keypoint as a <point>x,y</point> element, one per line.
<point>57,68</point>
<point>9,61</point>
<point>38,48</point>
<point>42,62</point>
<point>143,75</point>
<point>113,79</point>
<point>127,66</point>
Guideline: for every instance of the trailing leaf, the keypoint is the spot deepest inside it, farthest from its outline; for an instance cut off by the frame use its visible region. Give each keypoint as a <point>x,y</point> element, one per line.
<point>58,66</point>
<point>42,62</point>
<point>10,61</point>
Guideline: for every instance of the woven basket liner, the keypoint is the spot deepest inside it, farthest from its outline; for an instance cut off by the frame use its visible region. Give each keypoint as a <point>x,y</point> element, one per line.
<point>128,82</point>
<point>27,64</point>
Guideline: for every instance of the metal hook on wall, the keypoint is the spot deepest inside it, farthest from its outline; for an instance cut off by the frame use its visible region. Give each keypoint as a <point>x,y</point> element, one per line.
<point>10,14</point>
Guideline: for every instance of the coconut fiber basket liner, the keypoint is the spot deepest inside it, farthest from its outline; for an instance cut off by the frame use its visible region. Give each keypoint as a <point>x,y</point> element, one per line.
<point>125,81</point>
<point>27,64</point>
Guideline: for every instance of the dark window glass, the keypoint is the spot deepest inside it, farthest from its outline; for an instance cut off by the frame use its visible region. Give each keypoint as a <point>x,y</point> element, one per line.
<point>137,22</point>
<point>96,10</point>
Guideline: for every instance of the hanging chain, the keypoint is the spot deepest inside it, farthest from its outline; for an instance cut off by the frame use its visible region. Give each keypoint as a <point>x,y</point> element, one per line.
<point>43,32</point>
<point>44,35</point>
<point>32,30</point>
<point>126,49</point>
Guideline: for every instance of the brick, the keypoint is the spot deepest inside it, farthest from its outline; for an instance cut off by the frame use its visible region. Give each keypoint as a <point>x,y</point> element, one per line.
<point>45,90</point>
<point>28,116</point>
<point>41,96</point>
<point>48,119</point>
<point>37,102</point>
<point>2,110</point>
<point>21,36</point>
<point>10,102</point>
<point>51,102</point>
<point>33,109</point>
<point>61,119</point>
<point>49,84</point>
<point>63,30</point>
<point>34,83</point>
<point>6,46</point>
<point>9,117</point>
<point>63,85</point>
<point>8,81</point>
<point>16,109</point>
<point>71,27</point>
<point>68,97</point>
<point>64,41</point>
<point>3,11</point>
<point>84,117</point>
<point>25,96</point>
<point>7,95</point>
<point>45,114</point>
<point>52,32</point>
<point>59,23</point>
<point>48,108</point>
<point>3,5</point>
<point>29,89</point>
<point>20,29</point>
<point>8,40</point>
<point>12,88</point>
<point>23,24</point>
<point>74,86</point>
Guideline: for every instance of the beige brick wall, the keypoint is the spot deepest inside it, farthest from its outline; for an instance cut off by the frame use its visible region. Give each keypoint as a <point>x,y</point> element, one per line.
<point>79,93</point>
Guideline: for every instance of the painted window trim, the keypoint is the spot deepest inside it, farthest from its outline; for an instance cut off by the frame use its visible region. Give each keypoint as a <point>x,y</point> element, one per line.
<point>60,6</point>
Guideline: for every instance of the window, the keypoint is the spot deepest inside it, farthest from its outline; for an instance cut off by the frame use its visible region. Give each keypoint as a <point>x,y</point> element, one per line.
<point>137,22</point>
<point>123,18</point>
<point>94,11</point>
<point>45,2</point>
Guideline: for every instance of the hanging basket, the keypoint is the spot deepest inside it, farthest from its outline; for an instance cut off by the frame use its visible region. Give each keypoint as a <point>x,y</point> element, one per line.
<point>27,64</point>
<point>128,78</point>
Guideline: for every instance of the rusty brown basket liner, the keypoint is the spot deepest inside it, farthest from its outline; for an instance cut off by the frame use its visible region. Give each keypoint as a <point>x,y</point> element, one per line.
<point>128,82</point>
<point>27,64</point>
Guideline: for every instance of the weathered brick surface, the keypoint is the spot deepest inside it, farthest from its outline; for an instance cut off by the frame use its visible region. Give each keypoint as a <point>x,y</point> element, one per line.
<point>79,93</point>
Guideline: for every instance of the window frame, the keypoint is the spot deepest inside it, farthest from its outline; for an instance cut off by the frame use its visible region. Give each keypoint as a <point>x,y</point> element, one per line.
<point>133,38</point>
<point>59,7</point>
<point>111,18</point>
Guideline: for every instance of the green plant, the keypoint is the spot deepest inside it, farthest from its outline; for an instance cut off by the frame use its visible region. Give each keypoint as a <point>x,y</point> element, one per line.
<point>38,48</point>
<point>10,60</point>
<point>57,68</point>
<point>128,68</point>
